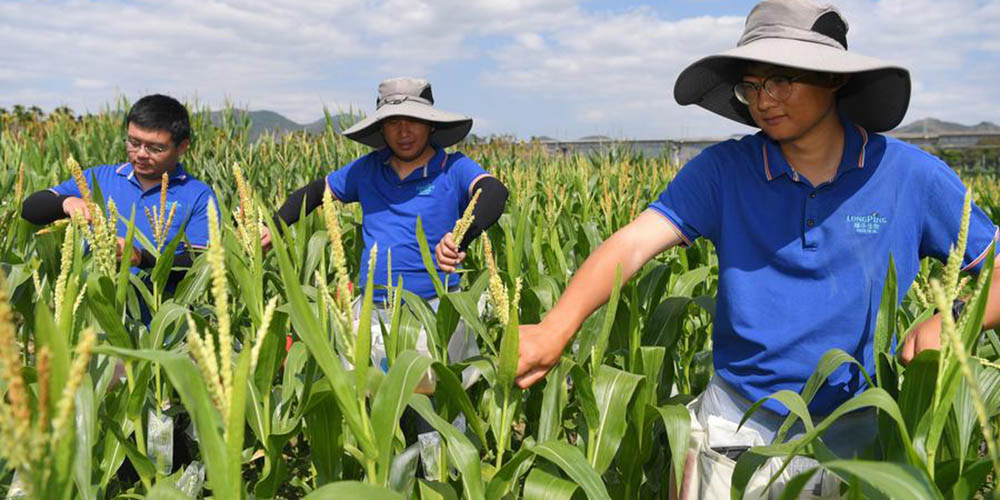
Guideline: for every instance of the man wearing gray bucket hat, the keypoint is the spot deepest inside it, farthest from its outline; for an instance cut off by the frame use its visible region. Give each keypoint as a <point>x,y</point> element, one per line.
<point>804,216</point>
<point>409,175</point>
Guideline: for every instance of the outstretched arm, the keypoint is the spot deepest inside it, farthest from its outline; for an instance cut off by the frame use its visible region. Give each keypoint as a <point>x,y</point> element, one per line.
<point>45,207</point>
<point>631,247</point>
<point>310,195</point>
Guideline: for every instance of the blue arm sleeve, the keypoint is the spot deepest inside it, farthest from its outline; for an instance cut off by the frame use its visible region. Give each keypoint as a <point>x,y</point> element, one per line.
<point>197,224</point>
<point>465,172</point>
<point>344,181</point>
<point>945,195</point>
<point>69,187</point>
<point>691,200</point>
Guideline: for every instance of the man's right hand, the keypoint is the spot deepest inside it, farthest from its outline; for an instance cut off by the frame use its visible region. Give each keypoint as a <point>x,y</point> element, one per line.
<point>76,205</point>
<point>540,349</point>
<point>265,238</point>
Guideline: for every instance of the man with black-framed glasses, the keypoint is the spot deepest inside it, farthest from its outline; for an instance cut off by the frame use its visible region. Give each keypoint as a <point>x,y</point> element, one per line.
<point>804,216</point>
<point>158,134</point>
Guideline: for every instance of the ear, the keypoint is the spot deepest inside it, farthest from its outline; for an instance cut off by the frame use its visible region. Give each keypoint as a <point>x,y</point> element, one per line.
<point>183,147</point>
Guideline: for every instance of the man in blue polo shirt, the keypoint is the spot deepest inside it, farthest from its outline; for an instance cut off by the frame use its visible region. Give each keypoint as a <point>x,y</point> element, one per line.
<point>408,175</point>
<point>804,216</point>
<point>158,134</point>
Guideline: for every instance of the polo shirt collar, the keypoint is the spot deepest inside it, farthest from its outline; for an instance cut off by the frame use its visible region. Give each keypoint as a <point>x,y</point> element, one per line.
<point>433,166</point>
<point>126,170</point>
<point>855,143</point>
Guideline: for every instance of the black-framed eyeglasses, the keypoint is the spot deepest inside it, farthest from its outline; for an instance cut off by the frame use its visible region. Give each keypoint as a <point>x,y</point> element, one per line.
<point>779,87</point>
<point>133,144</point>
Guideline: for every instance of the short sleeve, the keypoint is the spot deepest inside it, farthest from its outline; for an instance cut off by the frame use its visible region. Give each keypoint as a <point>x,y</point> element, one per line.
<point>69,187</point>
<point>942,217</point>
<point>466,172</point>
<point>691,200</point>
<point>196,230</point>
<point>344,181</point>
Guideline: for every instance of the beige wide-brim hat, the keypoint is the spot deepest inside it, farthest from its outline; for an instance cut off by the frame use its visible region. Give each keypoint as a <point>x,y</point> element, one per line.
<point>799,34</point>
<point>411,98</point>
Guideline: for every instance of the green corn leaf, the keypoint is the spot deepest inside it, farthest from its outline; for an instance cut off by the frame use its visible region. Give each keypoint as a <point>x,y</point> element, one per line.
<point>460,450</point>
<point>363,342</point>
<point>353,489</point>
<point>885,323</point>
<point>677,422</point>
<point>895,481</point>
<point>541,485</point>
<point>613,389</point>
<point>186,379</point>
<point>390,401</point>
<point>572,462</point>
<point>425,254</point>
<point>101,293</point>
<point>449,390</point>
<point>165,262</point>
<point>306,324</point>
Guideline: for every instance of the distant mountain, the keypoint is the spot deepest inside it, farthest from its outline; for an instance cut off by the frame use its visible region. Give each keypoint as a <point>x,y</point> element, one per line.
<point>935,126</point>
<point>595,138</point>
<point>262,121</point>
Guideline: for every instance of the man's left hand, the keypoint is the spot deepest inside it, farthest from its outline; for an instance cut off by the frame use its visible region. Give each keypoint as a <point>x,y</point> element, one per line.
<point>448,256</point>
<point>134,256</point>
<point>926,335</point>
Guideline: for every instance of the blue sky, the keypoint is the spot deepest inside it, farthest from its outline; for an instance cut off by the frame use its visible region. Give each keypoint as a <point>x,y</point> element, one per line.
<point>562,68</point>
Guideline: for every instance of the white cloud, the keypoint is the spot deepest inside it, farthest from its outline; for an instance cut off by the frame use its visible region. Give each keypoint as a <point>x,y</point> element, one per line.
<point>520,66</point>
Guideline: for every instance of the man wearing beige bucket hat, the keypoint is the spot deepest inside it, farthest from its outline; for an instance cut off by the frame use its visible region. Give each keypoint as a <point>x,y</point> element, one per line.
<point>409,175</point>
<point>804,216</point>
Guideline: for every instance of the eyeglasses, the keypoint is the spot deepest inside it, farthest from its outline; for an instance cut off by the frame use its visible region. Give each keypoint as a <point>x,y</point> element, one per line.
<point>133,144</point>
<point>779,87</point>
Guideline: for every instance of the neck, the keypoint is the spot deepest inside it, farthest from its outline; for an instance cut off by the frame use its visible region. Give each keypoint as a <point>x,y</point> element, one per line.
<point>816,154</point>
<point>404,168</point>
<point>149,182</point>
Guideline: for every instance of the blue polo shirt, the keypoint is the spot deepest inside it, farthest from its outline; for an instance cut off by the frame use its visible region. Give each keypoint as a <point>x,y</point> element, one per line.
<point>801,267</point>
<point>438,193</point>
<point>118,182</point>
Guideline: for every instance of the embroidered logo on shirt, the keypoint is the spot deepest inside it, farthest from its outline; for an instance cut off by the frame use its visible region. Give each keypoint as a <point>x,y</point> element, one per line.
<point>425,190</point>
<point>867,224</point>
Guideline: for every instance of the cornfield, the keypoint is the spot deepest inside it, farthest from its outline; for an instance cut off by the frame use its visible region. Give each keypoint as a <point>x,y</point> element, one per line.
<point>250,380</point>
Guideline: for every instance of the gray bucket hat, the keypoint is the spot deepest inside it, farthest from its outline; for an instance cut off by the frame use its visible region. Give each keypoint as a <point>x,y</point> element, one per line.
<point>412,98</point>
<point>804,35</point>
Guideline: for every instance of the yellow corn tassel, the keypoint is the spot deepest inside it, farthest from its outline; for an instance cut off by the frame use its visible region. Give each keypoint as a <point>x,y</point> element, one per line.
<point>65,263</point>
<point>19,188</point>
<point>498,292</point>
<point>203,352</point>
<point>220,296</point>
<point>337,256</point>
<point>954,265</point>
<point>462,225</point>
<point>265,324</point>
<point>15,415</point>
<point>247,218</point>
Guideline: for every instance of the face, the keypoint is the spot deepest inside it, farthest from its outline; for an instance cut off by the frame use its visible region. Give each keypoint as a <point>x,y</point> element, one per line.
<point>407,138</point>
<point>152,152</point>
<point>811,101</point>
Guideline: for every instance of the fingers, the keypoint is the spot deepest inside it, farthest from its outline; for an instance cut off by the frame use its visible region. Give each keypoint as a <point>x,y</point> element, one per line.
<point>907,352</point>
<point>448,258</point>
<point>529,379</point>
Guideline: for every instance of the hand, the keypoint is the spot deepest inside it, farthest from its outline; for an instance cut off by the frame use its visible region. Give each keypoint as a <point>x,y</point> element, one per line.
<point>540,350</point>
<point>73,205</point>
<point>926,335</point>
<point>265,238</point>
<point>448,256</point>
<point>134,256</point>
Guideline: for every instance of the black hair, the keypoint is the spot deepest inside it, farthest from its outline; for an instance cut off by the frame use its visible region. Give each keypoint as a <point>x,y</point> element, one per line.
<point>160,112</point>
